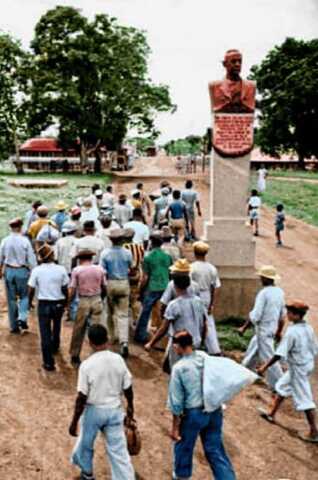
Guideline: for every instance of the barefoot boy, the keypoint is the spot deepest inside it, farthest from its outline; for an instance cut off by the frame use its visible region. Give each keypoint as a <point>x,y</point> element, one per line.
<point>279,223</point>
<point>254,205</point>
<point>298,347</point>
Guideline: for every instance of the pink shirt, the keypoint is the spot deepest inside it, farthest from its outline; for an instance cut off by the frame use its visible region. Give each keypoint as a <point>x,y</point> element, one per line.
<point>88,280</point>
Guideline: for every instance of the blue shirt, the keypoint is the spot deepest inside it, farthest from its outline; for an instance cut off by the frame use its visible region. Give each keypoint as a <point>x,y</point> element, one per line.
<point>16,251</point>
<point>59,219</point>
<point>116,262</point>
<point>177,209</point>
<point>186,384</point>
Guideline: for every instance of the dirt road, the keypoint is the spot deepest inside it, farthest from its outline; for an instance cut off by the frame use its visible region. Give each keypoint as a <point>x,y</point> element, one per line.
<point>36,407</point>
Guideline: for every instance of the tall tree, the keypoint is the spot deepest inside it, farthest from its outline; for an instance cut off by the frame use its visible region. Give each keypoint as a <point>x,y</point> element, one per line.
<point>13,96</point>
<point>287,81</point>
<point>91,79</point>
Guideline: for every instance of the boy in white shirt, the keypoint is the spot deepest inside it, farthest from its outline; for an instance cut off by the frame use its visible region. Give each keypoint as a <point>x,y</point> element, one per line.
<point>254,205</point>
<point>299,347</point>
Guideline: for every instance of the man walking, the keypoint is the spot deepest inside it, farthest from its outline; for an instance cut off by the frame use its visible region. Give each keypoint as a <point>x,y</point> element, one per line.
<point>178,216</point>
<point>89,242</point>
<point>267,317</point>
<point>186,404</point>
<point>16,260</point>
<point>117,262</point>
<point>191,199</point>
<point>102,380</point>
<point>141,231</point>
<point>38,224</point>
<point>88,281</point>
<point>154,282</point>
<point>50,282</point>
<point>122,210</point>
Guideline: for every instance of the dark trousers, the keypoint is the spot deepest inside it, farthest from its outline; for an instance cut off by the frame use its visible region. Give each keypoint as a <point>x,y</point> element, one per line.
<point>50,316</point>
<point>150,299</point>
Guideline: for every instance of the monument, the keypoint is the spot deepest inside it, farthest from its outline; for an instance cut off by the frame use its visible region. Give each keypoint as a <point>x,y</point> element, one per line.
<point>232,244</point>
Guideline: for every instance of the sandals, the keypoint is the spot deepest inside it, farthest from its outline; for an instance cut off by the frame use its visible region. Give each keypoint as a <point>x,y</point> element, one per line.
<point>265,415</point>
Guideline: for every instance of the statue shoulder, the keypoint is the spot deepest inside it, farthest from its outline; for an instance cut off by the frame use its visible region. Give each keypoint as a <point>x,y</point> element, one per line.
<point>250,84</point>
<point>215,84</point>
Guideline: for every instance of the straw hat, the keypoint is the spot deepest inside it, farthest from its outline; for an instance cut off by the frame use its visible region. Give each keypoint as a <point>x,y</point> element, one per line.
<point>45,252</point>
<point>61,205</point>
<point>181,266</point>
<point>87,203</point>
<point>297,305</point>
<point>16,223</point>
<point>201,247</point>
<point>268,271</point>
<point>117,234</point>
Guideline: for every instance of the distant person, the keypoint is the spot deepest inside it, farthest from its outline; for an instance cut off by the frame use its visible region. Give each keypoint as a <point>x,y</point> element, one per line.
<point>89,212</point>
<point>89,242</point>
<point>102,381</point>
<point>108,198</point>
<point>61,216</point>
<point>135,200</point>
<point>31,215</point>
<point>16,261</point>
<point>186,403</point>
<point>191,199</point>
<point>122,210</point>
<point>254,206</point>
<point>161,206</point>
<point>299,348</point>
<point>36,226</point>
<point>261,182</point>
<point>64,245</point>
<point>279,223</point>
<point>178,216</point>
<point>142,231</point>
<point>108,225</point>
<point>145,200</point>
<point>76,213</point>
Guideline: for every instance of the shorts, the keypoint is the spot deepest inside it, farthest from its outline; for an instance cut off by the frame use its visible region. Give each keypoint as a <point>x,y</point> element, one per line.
<point>254,214</point>
<point>295,383</point>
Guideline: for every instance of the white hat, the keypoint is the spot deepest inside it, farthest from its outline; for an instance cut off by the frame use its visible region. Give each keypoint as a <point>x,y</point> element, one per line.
<point>98,193</point>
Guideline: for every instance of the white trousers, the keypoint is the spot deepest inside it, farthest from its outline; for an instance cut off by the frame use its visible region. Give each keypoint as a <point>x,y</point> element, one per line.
<point>296,384</point>
<point>261,349</point>
<point>211,341</point>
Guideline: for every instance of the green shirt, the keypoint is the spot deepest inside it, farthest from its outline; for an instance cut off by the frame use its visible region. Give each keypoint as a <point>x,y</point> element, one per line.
<point>156,266</point>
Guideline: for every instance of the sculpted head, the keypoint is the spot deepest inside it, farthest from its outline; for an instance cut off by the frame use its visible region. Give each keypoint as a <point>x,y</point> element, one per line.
<point>233,64</point>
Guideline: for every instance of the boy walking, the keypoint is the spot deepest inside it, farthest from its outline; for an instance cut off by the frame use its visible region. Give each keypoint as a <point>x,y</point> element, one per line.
<point>299,347</point>
<point>279,223</point>
<point>254,205</point>
<point>88,281</point>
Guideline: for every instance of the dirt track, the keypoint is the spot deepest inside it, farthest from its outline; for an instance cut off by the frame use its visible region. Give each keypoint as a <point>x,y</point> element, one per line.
<point>36,407</point>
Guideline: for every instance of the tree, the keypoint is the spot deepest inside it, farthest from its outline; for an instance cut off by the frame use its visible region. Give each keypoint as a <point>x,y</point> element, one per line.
<point>91,79</point>
<point>287,81</point>
<point>190,145</point>
<point>14,64</point>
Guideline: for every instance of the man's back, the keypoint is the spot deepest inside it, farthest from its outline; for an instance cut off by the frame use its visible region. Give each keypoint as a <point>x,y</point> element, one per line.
<point>189,197</point>
<point>156,266</point>
<point>63,250</point>
<point>268,309</point>
<point>116,261</point>
<point>49,279</point>
<point>103,377</point>
<point>16,251</point>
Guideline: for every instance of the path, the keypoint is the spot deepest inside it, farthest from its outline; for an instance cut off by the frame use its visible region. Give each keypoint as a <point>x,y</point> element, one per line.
<point>36,407</point>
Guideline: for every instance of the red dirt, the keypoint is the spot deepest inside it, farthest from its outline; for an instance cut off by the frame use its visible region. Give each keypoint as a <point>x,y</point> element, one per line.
<point>36,407</point>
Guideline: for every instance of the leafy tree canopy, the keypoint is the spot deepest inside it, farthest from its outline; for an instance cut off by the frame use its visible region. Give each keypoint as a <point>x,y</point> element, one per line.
<point>190,145</point>
<point>287,81</point>
<point>91,78</point>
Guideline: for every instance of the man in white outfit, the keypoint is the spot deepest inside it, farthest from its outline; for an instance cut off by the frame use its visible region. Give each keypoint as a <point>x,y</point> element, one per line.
<point>267,318</point>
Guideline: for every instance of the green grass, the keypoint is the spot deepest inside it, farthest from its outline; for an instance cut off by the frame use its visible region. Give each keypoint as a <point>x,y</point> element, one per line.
<point>229,338</point>
<point>16,201</point>
<point>294,174</point>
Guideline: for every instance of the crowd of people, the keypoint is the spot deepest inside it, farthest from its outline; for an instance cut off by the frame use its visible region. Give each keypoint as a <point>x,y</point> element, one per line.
<point>115,268</point>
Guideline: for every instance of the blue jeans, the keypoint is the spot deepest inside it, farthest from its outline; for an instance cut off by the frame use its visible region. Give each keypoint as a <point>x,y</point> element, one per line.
<point>74,307</point>
<point>150,298</point>
<point>50,315</point>
<point>16,283</point>
<point>209,426</point>
<point>109,421</point>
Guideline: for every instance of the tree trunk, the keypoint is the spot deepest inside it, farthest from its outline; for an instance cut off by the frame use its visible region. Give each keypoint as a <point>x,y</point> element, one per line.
<point>98,162</point>
<point>19,165</point>
<point>301,162</point>
<point>84,158</point>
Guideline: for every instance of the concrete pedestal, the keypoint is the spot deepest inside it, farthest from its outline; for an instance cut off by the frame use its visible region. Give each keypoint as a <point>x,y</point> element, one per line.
<point>232,246</point>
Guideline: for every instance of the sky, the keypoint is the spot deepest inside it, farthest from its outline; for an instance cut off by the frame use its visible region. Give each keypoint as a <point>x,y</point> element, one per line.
<point>188,39</point>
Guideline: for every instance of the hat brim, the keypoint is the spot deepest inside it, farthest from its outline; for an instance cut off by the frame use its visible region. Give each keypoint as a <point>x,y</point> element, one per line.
<point>276,278</point>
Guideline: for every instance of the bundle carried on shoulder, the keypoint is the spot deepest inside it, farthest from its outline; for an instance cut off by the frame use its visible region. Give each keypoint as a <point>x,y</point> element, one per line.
<point>222,380</point>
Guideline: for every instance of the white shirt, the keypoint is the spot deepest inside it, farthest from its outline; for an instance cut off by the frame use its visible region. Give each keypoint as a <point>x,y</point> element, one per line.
<point>48,280</point>
<point>104,233</point>
<point>103,377</point>
<point>90,214</point>
<point>122,213</point>
<point>141,230</point>
<point>268,309</point>
<point>255,202</point>
<point>205,275</point>
<point>16,250</point>
<point>63,250</point>
<point>299,344</point>
<point>89,242</point>
<point>108,200</point>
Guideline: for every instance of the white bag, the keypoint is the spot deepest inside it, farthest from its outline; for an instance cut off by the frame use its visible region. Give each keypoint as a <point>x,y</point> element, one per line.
<point>222,380</point>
